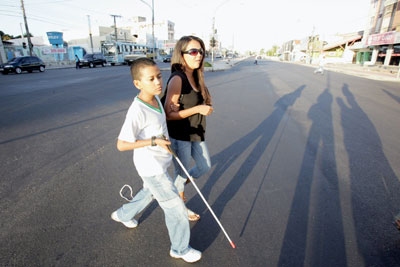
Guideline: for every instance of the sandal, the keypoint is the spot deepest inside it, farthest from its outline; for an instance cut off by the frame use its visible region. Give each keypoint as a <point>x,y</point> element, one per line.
<point>396,223</point>
<point>193,217</point>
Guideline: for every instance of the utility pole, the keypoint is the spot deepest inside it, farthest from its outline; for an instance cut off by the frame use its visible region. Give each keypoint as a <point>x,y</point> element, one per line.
<point>152,29</point>
<point>90,33</point>
<point>152,25</point>
<point>28,35</point>
<point>115,26</point>
<point>213,40</point>
<point>213,29</point>
<point>312,39</point>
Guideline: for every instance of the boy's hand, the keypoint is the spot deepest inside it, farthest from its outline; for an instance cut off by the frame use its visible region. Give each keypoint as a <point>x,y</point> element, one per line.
<point>164,143</point>
<point>174,108</point>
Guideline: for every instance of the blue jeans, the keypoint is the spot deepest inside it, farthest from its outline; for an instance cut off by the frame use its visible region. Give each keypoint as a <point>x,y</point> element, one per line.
<point>163,190</point>
<point>186,150</point>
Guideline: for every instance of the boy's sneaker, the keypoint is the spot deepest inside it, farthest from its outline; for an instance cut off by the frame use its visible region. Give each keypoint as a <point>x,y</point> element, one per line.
<point>130,224</point>
<point>191,256</point>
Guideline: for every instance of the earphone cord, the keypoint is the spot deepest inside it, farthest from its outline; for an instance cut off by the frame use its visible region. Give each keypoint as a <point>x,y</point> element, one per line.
<point>122,188</point>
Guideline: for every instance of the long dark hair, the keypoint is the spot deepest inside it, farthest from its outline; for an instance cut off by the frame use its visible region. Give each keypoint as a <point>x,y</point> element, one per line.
<point>178,64</point>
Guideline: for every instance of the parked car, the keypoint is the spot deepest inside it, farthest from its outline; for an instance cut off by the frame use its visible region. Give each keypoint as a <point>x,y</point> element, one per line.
<point>167,58</point>
<point>92,60</point>
<point>25,63</point>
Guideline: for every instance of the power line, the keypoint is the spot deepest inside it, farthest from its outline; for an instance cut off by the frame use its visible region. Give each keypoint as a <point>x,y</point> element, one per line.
<point>6,14</point>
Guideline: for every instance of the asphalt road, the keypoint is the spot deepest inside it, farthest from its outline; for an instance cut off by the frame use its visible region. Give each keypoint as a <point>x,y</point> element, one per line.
<point>305,171</point>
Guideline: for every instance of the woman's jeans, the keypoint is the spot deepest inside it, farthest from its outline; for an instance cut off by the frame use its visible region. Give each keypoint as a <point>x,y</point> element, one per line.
<point>163,190</point>
<point>185,151</point>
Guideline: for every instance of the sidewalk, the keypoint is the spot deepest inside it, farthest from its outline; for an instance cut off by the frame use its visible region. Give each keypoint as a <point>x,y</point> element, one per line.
<point>371,72</point>
<point>223,64</point>
<point>379,73</point>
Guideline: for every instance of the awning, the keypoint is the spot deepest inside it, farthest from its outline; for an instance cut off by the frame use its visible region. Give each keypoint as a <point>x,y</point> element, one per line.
<point>342,42</point>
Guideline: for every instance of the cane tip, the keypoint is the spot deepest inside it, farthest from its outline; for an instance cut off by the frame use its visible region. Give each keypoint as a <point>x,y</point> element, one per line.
<point>233,245</point>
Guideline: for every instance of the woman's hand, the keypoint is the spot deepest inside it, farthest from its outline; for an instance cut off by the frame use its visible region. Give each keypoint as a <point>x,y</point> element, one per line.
<point>205,109</point>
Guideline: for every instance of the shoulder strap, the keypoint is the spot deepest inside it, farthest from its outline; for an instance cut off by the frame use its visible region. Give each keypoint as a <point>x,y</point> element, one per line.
<point>180,74</point>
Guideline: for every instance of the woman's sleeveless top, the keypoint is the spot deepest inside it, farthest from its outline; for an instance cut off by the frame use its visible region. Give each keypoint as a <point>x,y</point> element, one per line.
<point>192,128</point>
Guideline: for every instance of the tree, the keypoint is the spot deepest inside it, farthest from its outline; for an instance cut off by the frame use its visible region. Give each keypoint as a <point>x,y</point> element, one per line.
<point>272,51</point>
<point>6,37</point>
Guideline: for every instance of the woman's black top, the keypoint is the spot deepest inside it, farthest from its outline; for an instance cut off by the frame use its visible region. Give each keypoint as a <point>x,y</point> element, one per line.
<point>191,128</point>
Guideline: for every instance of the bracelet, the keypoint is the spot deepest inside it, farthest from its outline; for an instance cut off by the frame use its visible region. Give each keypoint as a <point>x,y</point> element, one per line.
<point>153,141</point>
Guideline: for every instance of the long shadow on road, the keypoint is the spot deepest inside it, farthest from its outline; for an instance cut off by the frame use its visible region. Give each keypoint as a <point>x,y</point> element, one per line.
<point>314,224</point>
<point>374,186</point>
<point>206,232</point>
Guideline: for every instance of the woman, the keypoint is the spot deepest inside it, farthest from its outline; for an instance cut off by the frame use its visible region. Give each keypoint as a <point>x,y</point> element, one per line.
<point>187,102</point>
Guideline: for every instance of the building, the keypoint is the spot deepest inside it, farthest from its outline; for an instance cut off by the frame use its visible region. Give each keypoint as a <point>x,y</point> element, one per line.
<point>138,31</point>
<point>381,38</point>
<point>164,34</point>
<point>344,48</point>
<point>50,54</point>
<point>377,44</point>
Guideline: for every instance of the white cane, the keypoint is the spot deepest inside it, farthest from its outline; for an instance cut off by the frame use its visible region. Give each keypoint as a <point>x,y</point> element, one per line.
<point>202,197</point>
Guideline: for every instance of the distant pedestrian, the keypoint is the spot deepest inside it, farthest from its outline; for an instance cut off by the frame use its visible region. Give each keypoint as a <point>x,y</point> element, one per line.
<point>321,64</point>
<point>77,61</point>
<point>255,60</point>
<point>145,132</point>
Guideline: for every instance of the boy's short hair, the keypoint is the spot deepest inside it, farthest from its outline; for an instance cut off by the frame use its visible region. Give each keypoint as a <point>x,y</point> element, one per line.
<point>138,64</point>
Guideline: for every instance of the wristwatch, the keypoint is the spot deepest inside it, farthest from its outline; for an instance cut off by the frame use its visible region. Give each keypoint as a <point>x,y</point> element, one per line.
<point>153,141</point>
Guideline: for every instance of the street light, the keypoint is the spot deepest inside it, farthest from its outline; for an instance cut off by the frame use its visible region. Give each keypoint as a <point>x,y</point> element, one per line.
<point>152,24</point>
<point>90,33</point>
<point>213,30</point>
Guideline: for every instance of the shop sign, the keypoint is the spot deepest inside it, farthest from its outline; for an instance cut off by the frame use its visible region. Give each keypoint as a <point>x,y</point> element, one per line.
<point>48,51</point>
<point>55,38</point>
<point>382,38</point>
<point>169,45</point>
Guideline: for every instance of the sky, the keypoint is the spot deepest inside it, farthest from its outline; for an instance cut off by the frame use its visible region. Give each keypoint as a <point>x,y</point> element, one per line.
<point>241,24</point>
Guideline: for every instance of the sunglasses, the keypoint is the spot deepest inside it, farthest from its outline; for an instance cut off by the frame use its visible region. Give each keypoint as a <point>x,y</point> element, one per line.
<point>194,52</point>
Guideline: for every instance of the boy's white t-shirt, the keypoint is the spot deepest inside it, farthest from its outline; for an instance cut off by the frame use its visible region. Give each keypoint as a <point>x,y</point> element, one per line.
<point>143,121</point>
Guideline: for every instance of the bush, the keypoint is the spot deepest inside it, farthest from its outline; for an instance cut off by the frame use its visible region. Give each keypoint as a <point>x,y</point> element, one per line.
<point>206,64</point>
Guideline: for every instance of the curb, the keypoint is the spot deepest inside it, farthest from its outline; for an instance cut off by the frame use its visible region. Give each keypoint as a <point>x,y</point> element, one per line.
<point>218,66</point>
<point>354,70</point>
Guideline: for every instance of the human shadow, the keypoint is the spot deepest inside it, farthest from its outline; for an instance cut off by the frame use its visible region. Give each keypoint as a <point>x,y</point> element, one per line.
<point>395,97</point>
<point>374,186</point>
<point>204,235</point>
<point>314,222</point>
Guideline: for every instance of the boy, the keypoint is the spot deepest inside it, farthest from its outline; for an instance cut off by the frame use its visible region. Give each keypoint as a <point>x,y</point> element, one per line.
<point>143,131</point>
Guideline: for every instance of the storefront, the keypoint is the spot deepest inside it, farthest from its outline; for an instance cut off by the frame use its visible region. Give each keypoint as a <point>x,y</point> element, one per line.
<point>385,48</point>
